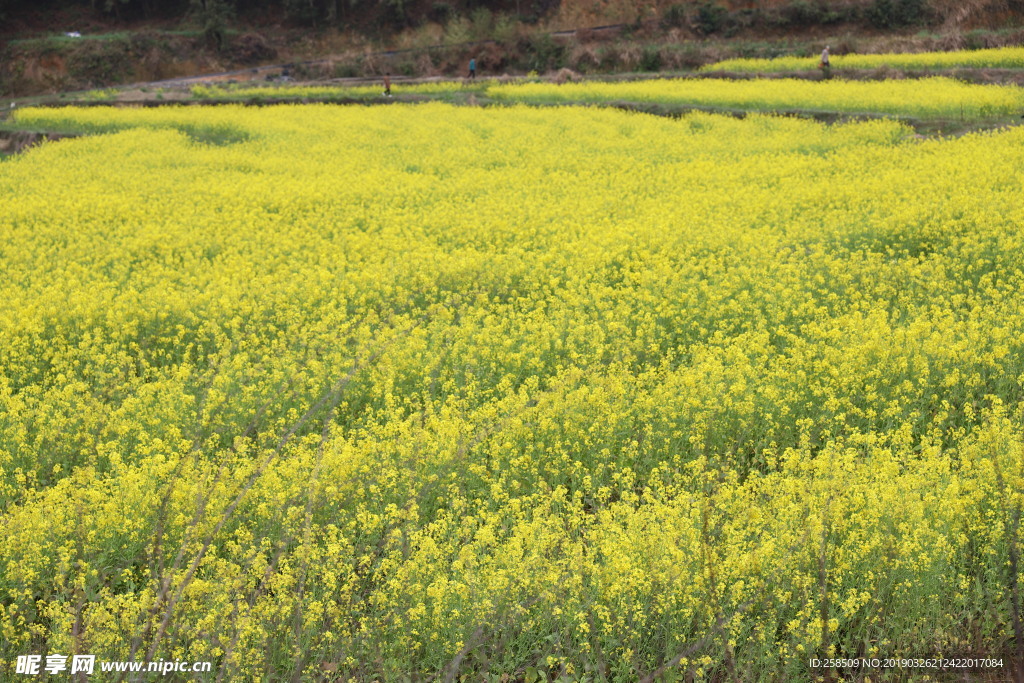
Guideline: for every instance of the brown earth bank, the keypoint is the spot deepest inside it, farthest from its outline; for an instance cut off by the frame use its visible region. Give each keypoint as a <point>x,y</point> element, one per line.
<point>13,142</point>
<point>438,38</point>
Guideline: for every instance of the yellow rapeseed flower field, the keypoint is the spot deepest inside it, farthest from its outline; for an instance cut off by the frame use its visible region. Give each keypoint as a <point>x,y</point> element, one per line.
<point>393,393</point>
<point>991,58</point>
<point>926,98</point>
<point>328,92</point>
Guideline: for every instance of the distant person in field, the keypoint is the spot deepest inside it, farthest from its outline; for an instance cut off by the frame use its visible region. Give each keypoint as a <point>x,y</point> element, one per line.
<point>472,69</point>
<point>825,65</point>
<point>387,84</point>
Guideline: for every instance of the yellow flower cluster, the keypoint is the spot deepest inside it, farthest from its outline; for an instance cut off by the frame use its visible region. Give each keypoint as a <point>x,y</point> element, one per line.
<point>329,92</point>
<point>991,58</point>
<point>417,391</point>
<point>925,98</point>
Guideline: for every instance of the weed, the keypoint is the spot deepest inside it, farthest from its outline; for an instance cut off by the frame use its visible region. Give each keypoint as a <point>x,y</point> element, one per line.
<point>711,18</point>
<point>651,59</point>
<point>896,13</point>
<point>674,16</point>
<point>543,53</point>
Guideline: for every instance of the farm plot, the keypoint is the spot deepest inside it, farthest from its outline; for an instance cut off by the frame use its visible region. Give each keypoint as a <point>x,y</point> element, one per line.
<point>992,58</point>
<point>929,98</point>
<point>413,391</point>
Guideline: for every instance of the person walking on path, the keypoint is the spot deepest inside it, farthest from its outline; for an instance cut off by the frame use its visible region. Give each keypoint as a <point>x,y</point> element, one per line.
<point>824,65</point>
<point>387,84</point>
<point>472,69</point>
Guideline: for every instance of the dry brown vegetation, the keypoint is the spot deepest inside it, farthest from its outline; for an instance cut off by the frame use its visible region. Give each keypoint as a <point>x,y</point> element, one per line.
<point>648,36</point>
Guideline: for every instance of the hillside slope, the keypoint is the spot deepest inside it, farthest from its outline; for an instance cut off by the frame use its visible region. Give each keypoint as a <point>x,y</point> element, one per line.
<point>57,46</point>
